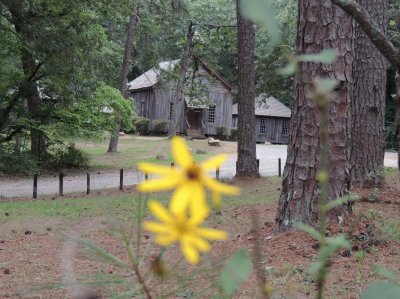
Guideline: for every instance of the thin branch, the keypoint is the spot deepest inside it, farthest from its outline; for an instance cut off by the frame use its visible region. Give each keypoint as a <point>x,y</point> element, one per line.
<point>371,29</point>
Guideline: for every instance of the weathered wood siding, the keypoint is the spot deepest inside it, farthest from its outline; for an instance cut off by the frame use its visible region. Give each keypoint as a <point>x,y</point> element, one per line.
<point>154,103</point>
<point>274,129</point>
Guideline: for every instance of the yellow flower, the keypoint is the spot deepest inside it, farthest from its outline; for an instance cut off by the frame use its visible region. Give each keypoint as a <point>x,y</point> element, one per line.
<point>188,178</point>
<point>176,226</point>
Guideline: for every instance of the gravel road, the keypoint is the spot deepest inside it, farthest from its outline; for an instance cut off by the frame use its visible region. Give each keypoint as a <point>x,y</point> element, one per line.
<point>48,185</point>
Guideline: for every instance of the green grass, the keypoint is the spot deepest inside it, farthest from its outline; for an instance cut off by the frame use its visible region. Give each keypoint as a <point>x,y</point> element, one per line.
<point>122,206</point>
<point>132,150</point>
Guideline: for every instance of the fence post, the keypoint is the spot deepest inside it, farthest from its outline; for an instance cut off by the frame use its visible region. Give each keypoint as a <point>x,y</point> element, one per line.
<point>61,184</point>
<point>121,179</point>
<point>35,181</point>
<point>217,173</point>
<point>279,167</point>
<point>88,183</point>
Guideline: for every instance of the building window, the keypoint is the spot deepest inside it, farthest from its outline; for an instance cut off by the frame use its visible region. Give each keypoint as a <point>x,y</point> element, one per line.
<point>285,127</point>
<point>263,125</point>
<point>142,109</point>
<point>234,122</point>
<point>171,110</point>
<point>211,115</point>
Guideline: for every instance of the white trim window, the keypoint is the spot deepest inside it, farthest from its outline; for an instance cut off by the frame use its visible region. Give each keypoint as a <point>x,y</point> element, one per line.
<point>285,127</point>
<point>211,115</point>
<point>263,125</point>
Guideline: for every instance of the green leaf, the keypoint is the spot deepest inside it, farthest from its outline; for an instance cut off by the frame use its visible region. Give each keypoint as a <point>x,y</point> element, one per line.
<point>103,254</point>
<point>338,202</point>
<point>311,231</point>
<point>261,11</point>
<point>382,271</point>
<point>382,290</point>
<point>236,271</point>
<point>289,69</point>
<point>338,242</point>
<point>324,86</point>
<point>327,56</point>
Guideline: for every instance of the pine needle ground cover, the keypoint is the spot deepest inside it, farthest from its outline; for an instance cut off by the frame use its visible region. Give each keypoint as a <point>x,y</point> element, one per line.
<point>33,235</point>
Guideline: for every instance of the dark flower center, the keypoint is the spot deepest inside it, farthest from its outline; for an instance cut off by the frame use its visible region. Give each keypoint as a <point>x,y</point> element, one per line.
<point>193,173</point>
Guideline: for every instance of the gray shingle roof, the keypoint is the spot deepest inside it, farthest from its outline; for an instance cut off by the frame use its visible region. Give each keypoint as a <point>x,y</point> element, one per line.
<point>152,76</point>
<point>267,106</point>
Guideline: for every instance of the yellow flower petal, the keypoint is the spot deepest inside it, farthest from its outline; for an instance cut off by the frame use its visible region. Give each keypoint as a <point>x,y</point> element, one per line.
<point>212,234</point>
<point>185,194</point>
<point>156,228</point>
<point>165,240</point>
<point>190,252</point>
<point>216,200</point>
<point>199,243</point>
<point>160,212</point>
<point>198,211</point>
<point>181,153</point>
<point>156,185</point>
<point>156,169</point>
<point>216,186</point>
<point>212,163</point>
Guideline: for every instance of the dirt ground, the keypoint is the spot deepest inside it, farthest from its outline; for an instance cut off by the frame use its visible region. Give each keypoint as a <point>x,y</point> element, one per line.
<point>42,258</point>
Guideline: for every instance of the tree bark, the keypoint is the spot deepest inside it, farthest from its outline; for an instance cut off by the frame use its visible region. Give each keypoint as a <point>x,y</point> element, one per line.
<point>112,147</point>
<point>29,90</point>
<point>247,157</point>
<point>382,43</point>
<point>368,98</point>
<point>320,26</point>
<point>178,101</point>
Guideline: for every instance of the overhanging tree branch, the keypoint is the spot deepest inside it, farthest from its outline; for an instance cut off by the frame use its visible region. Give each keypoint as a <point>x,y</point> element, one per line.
<point>371,29</point>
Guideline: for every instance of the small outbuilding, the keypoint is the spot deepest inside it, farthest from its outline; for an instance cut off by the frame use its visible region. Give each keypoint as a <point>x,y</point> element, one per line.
<point>207,104</point>
<point>272,120</point>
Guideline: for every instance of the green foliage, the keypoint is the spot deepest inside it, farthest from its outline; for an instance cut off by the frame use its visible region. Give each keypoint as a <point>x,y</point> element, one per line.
<point>60,157</point>
<point>142,125</point>
<point>16,163</point>
<point>382,290</point>
<point>261,11</point>
<point>221,132</point>
<point>233,134</point>
<point>160,126</point>
<point>236,271</point>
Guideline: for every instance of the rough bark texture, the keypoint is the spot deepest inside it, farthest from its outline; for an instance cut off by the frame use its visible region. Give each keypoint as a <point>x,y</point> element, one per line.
<point>381,42</point>
<point>29,90</point>
<point>112,147</point>
<point>368,99</point>
<point>174,123</point>
<point>247,158</point>
<point>321,26</point>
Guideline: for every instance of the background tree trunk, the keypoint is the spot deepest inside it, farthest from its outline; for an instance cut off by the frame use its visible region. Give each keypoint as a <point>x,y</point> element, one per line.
<point>320,26</point>
<point>178,101</point>
<point>112,147</point>
<point>368,98</point>
<point>247,157</point>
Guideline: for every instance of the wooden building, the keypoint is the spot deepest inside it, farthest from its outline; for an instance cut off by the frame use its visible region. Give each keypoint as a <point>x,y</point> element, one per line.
<point>272,120</point>
<point>155,90</point>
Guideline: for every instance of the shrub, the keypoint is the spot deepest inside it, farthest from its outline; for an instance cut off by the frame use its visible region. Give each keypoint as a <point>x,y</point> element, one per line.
<point>16,163</point>
<point>61,157</point>
<point>234,134</point>
<point>220,132</point>
<point>142,126</point>
<point>160,126</point>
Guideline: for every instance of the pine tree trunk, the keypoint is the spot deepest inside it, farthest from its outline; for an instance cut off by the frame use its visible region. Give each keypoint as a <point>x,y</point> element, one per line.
<point>247,157</point>
<point>321,26</point>
<point>397,101</point>
<point>368,98</point>
<point>30,90</point>
<point>179,96</point>
<point>112,147</point>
